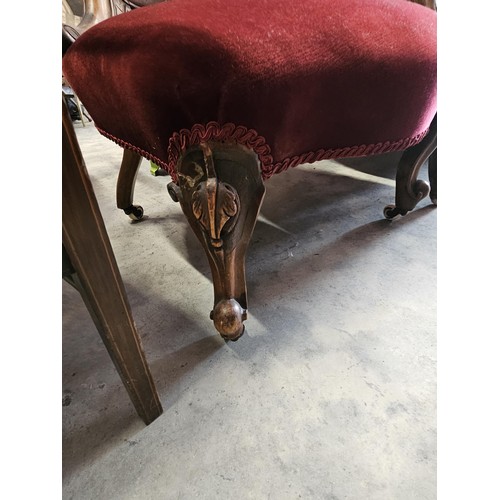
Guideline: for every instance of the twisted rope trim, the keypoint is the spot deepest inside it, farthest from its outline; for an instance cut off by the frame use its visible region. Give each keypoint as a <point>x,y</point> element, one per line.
<point>229,132</point>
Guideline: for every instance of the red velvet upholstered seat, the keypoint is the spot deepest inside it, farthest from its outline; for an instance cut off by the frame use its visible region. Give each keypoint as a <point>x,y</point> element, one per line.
<point>295,80</point>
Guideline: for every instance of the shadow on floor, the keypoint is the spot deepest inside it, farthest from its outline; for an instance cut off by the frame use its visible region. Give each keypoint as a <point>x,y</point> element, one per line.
<point>174,344</point>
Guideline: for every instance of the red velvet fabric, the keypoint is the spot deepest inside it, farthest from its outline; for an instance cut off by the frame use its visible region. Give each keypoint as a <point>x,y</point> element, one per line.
<point>296,80</point>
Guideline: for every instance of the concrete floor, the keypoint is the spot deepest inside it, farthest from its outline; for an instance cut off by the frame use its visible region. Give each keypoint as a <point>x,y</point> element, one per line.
<point>331,392</point>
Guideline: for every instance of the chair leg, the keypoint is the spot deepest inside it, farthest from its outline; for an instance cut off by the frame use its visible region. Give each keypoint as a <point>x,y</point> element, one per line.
<point>80,110</point>
<point>89,264</point>
<point>220,190</point>
<point>129,168</point>
<point>433,176</point>
<point>409,189</point>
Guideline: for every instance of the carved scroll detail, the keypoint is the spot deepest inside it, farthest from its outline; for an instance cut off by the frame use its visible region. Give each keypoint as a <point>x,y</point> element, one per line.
<point>192,181</point>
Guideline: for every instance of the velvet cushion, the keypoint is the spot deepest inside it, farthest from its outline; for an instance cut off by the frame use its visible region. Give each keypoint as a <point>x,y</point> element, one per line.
<point>295,80</point>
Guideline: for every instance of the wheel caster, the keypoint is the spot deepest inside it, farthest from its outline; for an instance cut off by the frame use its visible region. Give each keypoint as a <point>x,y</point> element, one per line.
<point>391,211</point>
<point>174,191</point>
<point>135,212</point>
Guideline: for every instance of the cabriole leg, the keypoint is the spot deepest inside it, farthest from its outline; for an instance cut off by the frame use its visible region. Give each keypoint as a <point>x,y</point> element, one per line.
<point>409,189</point>
<point>220,190</point>
<point>126,183</point>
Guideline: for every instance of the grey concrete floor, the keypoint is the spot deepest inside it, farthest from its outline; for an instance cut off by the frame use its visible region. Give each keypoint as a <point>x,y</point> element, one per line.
<point>331,392</point>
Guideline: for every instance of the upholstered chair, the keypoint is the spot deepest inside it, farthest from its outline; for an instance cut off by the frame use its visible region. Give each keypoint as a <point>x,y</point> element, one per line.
<point>224,95</point>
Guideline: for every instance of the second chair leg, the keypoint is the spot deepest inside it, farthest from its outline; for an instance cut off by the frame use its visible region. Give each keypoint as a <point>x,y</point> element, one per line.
<point>220,190</point>
<point>131,162</point>
<point>409,189</point>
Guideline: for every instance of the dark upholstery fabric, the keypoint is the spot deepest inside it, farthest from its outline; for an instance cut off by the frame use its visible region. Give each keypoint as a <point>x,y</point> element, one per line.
<point>296,80</point>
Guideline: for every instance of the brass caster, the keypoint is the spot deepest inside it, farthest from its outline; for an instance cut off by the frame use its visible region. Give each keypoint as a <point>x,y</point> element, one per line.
<point>228,317</point>
<point>135,212</point>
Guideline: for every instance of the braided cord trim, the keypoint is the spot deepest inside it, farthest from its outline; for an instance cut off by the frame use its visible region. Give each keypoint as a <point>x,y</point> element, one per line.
<point>349,152</point>
<point>229,132</point>
<point>128,145</point>
<point>213,131</point>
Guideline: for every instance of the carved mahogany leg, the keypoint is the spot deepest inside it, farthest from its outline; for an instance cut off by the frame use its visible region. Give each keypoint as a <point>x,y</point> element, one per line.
<point>126,183</point>
<point>220,190</point>
<point>409,189</point>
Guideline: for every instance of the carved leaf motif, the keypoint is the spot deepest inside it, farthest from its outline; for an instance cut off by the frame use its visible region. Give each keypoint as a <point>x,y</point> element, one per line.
<point>199,199</point>
<point>228,200</point>
<point>213,207</point>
